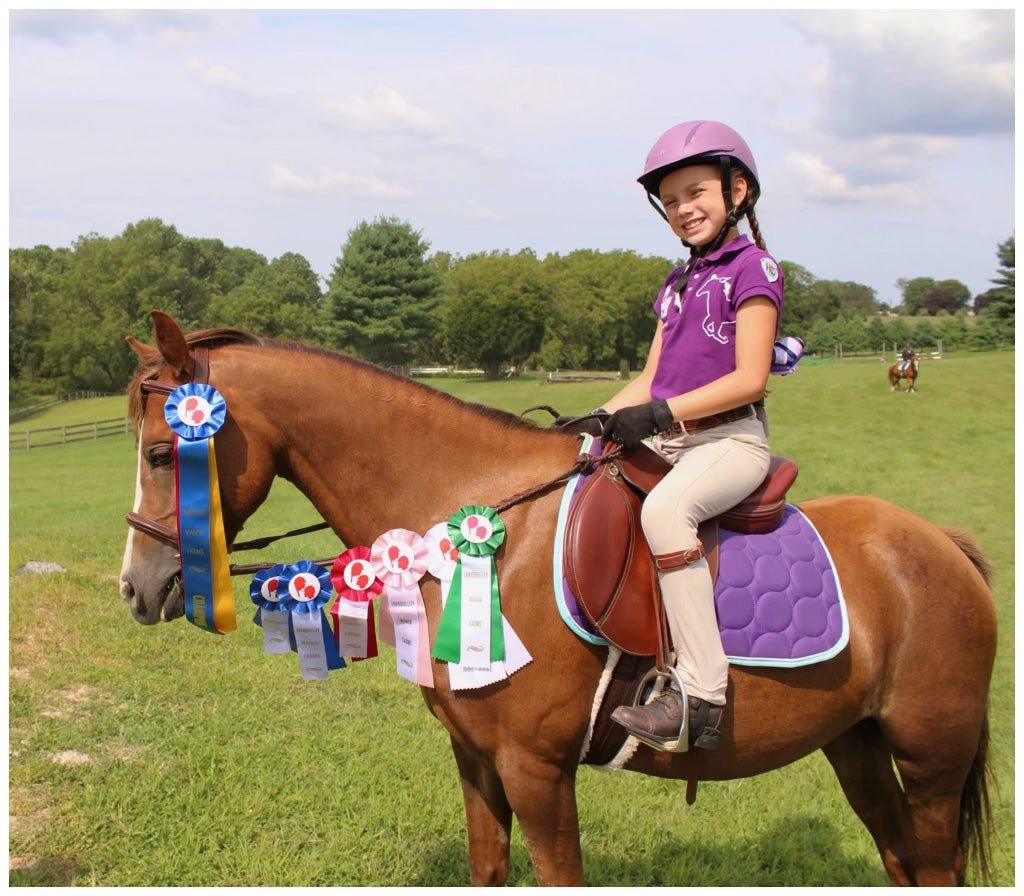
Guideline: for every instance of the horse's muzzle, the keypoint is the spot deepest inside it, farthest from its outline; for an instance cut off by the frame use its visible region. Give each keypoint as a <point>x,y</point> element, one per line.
<point>165,605</point>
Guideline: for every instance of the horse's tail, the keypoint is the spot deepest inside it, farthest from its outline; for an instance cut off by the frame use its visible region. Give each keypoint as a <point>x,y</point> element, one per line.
<point>970,548</point>
<point>974,830</point>
<point>975,827</point>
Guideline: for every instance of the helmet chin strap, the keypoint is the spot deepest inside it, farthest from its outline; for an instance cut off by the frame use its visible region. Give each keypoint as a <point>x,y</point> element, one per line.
<point>732,214</point>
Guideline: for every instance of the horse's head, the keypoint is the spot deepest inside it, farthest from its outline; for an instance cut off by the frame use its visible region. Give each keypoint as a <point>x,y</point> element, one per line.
<point>151,572</point>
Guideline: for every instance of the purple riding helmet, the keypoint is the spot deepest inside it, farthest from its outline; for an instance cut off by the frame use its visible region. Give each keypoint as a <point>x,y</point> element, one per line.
<point>697,142</point>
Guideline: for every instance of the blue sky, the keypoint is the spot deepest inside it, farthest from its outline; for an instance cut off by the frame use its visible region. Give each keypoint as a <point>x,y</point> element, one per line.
<point>884,139</point>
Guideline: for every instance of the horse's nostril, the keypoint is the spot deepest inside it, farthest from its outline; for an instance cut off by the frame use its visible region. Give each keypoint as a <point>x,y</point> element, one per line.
<point>127,591</point>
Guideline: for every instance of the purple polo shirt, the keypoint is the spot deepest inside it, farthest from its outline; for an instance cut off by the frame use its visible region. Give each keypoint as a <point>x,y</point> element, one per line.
<point>698,342</point>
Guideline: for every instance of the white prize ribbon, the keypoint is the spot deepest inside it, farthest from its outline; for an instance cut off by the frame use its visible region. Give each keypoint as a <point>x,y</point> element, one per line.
<point>304,597</point>
<point>275,631</point>
<point>352,627</point>
<point>309,644</point>
<point>406,609</point>
<point>476,611</point>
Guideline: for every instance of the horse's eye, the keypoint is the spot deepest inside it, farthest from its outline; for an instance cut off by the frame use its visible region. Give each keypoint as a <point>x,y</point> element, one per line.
<point>160,456</point>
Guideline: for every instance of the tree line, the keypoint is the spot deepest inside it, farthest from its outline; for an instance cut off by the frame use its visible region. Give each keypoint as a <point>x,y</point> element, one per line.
<point>389,301</point>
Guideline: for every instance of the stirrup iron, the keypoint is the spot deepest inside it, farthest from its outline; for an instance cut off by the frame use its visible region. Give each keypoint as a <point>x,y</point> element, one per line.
<point>677,743</point>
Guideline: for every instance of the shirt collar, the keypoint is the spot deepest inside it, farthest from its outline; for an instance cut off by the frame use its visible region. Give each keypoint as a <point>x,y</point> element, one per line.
<point>731,248</point>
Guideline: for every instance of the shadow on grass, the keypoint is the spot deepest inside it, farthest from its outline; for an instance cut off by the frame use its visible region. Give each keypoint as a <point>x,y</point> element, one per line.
<point>48,871</point>
<point>797,852</point>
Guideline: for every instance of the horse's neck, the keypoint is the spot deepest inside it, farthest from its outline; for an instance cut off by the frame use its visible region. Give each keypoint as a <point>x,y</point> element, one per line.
<point>374,452</point>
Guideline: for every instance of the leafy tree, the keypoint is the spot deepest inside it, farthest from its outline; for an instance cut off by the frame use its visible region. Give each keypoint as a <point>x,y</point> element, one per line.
<point>601,308</point>
<point>948,295</point>
<point>798,307</point>
<point>877,333</point>
<point>496,308</point>
<point>107,290</point>
<point>34,277</point>
<point>384,295</point>
<point>952,331</point>
<point>924,333</point>
<point>852,332</point>
<point>280,300</point>
<point>914,292</point>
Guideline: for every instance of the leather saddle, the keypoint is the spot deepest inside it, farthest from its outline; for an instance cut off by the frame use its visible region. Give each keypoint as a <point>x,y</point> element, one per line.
<point>606,559</point>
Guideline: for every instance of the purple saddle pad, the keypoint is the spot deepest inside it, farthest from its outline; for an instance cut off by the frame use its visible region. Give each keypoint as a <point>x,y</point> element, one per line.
<point>778,597</point>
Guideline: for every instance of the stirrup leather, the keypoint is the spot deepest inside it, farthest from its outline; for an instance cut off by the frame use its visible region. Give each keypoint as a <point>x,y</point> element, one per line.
<point>679,743</point>
<point>679,559</point>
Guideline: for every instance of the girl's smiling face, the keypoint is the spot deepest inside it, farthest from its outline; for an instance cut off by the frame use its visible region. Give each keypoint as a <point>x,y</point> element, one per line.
<point>692,199</point>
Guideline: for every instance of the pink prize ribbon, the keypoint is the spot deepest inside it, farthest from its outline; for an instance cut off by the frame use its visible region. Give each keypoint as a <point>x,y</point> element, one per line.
<point>357,584</point>
<point>399,559</point>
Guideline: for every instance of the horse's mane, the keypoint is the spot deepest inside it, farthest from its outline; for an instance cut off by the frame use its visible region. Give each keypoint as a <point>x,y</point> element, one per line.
<point>499,416</point>
<point>217,336</point>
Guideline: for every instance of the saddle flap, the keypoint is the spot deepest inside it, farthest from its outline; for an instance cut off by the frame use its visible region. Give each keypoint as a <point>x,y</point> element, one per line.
<point>607,562</point>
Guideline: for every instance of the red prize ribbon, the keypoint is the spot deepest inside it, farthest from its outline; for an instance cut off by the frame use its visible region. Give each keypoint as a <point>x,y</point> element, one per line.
<point>356,583</point>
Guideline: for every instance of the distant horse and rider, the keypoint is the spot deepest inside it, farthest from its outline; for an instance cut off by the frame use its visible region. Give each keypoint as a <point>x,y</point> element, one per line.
<point>905,369</point>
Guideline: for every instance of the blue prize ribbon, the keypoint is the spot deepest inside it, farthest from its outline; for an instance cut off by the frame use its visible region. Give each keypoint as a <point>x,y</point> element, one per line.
<point>315,576</point>
<point>193,469</point>
<point>195,411</point>
<point>310,571</point>
<point>256,588</point>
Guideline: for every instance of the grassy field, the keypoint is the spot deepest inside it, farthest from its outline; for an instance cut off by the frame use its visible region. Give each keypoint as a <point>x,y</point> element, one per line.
<point>165,756</point>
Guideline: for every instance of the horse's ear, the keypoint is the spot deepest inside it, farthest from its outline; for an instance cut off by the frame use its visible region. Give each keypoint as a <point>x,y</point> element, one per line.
<point>170,342</point>
<point>145,352</point>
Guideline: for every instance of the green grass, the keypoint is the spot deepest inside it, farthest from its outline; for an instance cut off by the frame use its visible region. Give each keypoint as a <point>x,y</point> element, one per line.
<point>165,756</point>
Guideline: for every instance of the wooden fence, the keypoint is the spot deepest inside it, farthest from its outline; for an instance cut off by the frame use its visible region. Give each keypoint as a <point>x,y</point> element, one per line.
<point>66,435</point>
<point>46,403</point>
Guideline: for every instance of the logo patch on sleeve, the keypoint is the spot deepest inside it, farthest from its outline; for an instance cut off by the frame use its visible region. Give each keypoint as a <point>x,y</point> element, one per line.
<point>771,270</point>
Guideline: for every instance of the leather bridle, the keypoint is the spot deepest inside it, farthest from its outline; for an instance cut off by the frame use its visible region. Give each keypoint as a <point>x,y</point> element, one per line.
<point>200,374</point>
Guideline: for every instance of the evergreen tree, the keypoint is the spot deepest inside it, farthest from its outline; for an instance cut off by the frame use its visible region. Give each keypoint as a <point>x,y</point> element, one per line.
<point>384,296</point>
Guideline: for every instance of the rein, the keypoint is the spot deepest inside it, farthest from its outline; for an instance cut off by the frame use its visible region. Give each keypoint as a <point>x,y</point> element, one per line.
<point>583,463</point>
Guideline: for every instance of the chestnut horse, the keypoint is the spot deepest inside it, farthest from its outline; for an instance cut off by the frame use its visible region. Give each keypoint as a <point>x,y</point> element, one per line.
<point>896,374</point>
<point>901,712</point>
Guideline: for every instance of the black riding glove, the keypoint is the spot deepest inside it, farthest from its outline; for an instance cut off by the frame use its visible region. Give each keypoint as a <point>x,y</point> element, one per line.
<point>592,423</point>
<point>630,425</point>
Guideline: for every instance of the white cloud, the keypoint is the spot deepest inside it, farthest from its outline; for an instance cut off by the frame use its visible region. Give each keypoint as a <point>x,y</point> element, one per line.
<point>216,75</point>
<point>384,111</point>
<point>332,181</point>
<point>934,72</point>
<point>821,182</point>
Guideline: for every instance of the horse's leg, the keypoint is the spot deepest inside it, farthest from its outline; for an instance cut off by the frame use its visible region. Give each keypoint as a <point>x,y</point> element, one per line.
<point>933,766</point>
<point>488,820</point>
<point>543,797</point>
<point>863,763</point>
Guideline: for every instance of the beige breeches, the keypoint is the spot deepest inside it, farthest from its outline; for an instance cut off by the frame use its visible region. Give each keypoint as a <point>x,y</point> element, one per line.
<point>712,471</point>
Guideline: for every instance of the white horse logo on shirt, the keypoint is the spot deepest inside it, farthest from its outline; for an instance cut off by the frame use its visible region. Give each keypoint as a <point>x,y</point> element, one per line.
<point>716,329</point>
